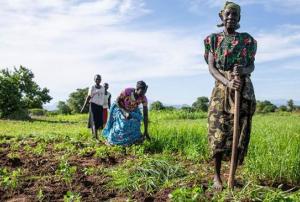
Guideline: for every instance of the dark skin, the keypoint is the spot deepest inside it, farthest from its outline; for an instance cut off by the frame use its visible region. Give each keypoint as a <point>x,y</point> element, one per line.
<point>106,86</point>
<point>87,100</point>
<point>230,18</point>
<point>137,93</point>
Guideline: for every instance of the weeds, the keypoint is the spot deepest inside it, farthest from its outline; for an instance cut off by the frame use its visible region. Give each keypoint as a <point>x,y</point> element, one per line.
<point>66,171</point>
<point>40,149</point>
<point>188,194</point>
<point>10,180</point>
<point>72,197</point>
<point>147,174</point>
<point>273,157</point>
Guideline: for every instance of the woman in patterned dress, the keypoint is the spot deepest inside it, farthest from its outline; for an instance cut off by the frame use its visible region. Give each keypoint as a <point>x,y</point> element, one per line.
<point>124,123</point>
<point>223,52</point>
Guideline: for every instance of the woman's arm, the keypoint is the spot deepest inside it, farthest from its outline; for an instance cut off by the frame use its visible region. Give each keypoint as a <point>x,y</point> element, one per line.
<point>87,100</point>
<point>214,72</point>
<point>233,84</point>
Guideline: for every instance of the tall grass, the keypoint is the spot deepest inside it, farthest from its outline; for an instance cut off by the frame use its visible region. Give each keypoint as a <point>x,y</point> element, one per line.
<point>148,174</point>
<point>185,137</point>
<point>273,153</point>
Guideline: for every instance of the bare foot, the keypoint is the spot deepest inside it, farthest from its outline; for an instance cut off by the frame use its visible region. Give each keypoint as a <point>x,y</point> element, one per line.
<point>107,143</point>
<point>218,186</point>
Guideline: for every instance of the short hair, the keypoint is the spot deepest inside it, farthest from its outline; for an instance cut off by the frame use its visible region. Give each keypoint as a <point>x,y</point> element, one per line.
<point>141,84</point>
<point>97,76</point>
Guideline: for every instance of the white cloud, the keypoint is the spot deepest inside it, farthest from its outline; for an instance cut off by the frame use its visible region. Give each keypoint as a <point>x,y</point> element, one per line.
<point>66,42</point>
<point>286,6</point>
<point>281,43</point>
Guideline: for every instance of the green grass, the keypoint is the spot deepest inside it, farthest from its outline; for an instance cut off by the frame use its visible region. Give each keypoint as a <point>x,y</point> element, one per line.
<point>149,174</point>
<point>178,141</point>
<point>275,148</point>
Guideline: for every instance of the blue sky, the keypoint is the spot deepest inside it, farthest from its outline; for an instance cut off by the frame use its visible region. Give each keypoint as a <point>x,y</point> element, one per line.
<point>160,41</point>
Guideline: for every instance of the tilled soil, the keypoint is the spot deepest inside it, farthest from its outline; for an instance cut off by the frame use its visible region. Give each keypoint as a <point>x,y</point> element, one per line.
<point>39,175</point>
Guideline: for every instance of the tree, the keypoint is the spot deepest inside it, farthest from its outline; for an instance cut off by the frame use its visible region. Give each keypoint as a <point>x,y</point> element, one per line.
<point>282,108</point>
<point>188,108</point>
<point>265,107</point>
<point>290,105</point>
<point>10,95</point>
<point>201,104</point>
<point>170,108</point>
<point>63,108</point>
<point>157,105</point>
<point>76,100</point>
<point>18,92</point>
<point>33,95</point>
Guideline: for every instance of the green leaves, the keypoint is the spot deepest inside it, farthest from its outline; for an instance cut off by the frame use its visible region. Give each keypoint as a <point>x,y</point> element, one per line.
<point>18,92</point>
<point>8,179</point>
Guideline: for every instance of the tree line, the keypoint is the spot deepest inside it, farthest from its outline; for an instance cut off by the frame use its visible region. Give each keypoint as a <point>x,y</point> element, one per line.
<point>20,96</point>
<point>201,104</point>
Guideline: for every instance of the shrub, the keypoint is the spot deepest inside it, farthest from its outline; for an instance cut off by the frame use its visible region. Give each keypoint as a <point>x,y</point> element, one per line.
<point>37,112</point>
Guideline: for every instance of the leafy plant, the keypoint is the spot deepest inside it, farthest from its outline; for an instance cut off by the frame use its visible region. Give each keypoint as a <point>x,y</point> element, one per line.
<point>40,148</point>
<point>188,194</point>
<point>40,195</point>
<point>66,171</point>
<point>72,197</point>
<point>10,180</point>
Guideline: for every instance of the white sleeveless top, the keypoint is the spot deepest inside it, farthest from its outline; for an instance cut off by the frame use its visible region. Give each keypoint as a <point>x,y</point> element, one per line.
<point>97,95</point>
<point>106,97</point>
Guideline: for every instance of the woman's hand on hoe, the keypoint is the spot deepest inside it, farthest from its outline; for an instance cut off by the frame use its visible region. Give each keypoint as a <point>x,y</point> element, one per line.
<point>235,83</point>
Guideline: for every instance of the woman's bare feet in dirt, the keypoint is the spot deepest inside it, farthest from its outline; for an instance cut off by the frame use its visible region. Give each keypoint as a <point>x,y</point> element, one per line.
<point>218,186</point>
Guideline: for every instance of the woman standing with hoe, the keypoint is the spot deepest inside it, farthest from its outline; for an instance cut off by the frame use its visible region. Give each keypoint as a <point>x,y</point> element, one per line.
<point>228,54</point>
<point>95,98</point>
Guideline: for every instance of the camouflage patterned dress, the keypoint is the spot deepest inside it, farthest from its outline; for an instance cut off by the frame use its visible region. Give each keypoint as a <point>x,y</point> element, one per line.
<point>227,51</point>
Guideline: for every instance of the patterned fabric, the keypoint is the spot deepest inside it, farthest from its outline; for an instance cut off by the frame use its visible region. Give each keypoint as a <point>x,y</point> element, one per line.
<point>220,122</point>
<point>232,5</point>
<point>122,131</point>
<point>128,100</point>
<point>228,51</point>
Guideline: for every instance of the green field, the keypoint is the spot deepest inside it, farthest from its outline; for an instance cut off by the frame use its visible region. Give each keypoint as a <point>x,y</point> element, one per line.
<point>54,158</point>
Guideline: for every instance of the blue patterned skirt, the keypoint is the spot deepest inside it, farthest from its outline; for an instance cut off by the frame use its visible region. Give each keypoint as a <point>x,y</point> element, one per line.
<point>122,131</point>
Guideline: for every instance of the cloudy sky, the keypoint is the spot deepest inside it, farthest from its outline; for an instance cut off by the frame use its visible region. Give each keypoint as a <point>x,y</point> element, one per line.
<point>66,42</point>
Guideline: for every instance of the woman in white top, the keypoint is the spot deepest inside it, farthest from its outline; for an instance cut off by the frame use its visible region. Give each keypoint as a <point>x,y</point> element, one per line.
<point>106,104</point>
<point>95,98</point>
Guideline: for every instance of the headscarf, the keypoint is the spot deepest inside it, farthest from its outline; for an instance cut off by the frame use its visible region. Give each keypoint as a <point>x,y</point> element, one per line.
<point>232,5</point>
<point>141,84</point>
